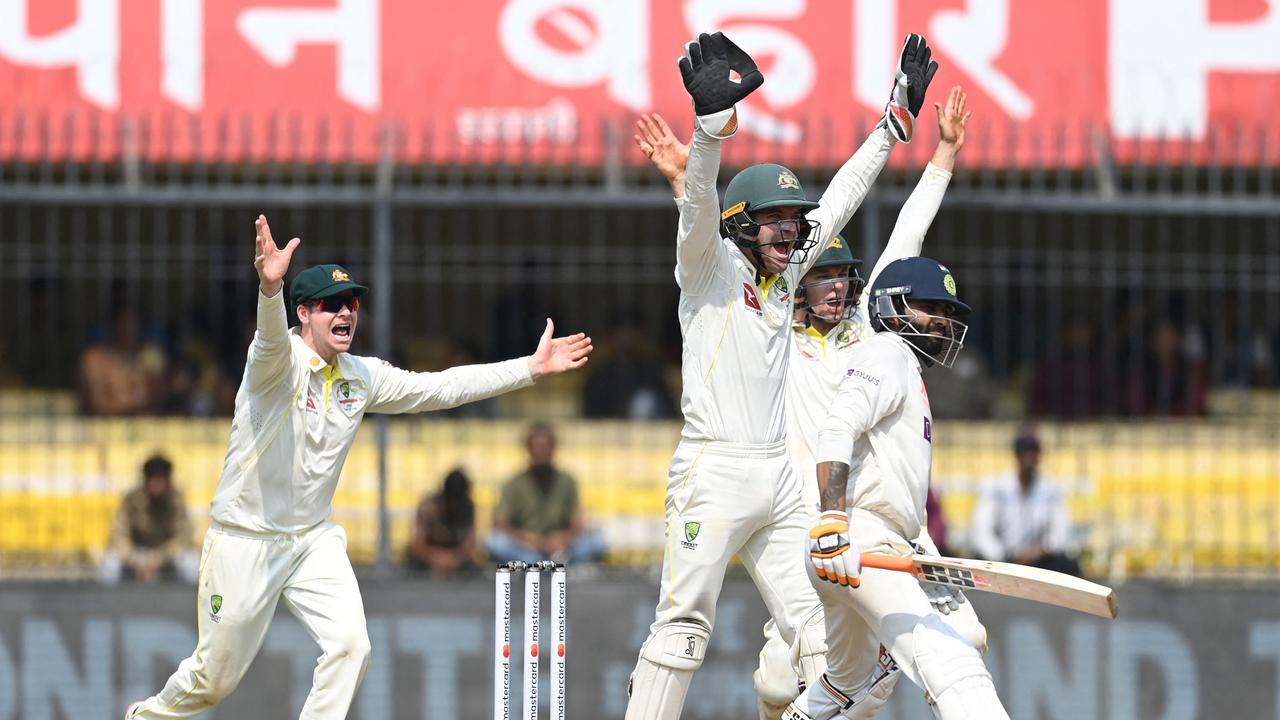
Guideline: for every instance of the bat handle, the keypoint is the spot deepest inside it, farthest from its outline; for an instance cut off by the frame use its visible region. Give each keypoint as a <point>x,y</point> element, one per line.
<point>889,562</point>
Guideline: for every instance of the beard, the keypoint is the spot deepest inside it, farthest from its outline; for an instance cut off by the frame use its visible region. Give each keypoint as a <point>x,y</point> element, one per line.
<point>933,345</point>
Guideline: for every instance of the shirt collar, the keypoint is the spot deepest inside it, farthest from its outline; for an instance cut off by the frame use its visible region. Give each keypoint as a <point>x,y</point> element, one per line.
<point>311,358</point>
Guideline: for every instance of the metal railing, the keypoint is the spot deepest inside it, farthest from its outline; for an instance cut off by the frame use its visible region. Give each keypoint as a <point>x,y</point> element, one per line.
<point>1104,290</point>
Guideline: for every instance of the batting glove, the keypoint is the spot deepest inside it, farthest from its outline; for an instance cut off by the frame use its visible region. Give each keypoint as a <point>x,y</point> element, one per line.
<point>705,68</point>
<point>832,551</point>
<point>914,73</point>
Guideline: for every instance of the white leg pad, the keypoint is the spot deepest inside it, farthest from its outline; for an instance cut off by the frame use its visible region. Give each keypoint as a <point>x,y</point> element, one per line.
<point>810,649</point>
<point>955,677</point>
<point>661,679</point>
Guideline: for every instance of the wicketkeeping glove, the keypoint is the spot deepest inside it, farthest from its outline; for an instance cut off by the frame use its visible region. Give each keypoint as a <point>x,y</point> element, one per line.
<point>832,551</point>
<point>705,68</point>
<point>911,80</point>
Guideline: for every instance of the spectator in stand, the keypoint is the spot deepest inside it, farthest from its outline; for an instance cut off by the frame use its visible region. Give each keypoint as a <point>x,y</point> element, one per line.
<point>1021,517</point>
<point>538,516</point>
<point>1068,382</point>
<point>1172,381</point>
<point>122,374</point>
<point>630,381</point>
<point>444,530</point>
<point>151,538</point>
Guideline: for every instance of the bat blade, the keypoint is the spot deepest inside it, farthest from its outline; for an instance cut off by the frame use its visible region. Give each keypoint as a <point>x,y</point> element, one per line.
<point>1019,581</point>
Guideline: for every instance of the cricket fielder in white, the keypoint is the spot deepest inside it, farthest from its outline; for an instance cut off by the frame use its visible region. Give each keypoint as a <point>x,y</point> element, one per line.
<point>731,488</point>
<point>299,405</point>
<point>874,462</point>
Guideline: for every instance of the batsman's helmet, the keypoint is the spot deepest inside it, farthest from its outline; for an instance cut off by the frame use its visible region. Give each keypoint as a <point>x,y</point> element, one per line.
<point>920,279</point>
<point>761,187</point>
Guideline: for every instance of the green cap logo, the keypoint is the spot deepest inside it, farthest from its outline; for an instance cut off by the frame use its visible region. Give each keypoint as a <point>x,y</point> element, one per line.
<point>691,530</point>
<point>215,603</point>
<point>950,284</point>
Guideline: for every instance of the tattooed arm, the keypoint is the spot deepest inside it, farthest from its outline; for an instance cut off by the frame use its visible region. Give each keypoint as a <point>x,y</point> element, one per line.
<point>833,482</point>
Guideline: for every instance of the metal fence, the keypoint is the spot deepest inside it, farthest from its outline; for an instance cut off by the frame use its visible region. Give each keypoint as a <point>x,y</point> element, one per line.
<point>1108,297</point>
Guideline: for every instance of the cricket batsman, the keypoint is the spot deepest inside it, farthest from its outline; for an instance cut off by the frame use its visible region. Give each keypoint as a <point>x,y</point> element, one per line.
<point>874,462</point>
<point>731,488</point>
<point>299,405</point>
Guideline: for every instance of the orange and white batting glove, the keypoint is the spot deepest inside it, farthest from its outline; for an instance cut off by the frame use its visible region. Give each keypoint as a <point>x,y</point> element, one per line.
<point>832,551</point>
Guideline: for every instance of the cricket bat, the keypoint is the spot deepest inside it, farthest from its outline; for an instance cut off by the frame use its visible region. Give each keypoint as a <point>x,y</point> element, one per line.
<point>1020,581</point>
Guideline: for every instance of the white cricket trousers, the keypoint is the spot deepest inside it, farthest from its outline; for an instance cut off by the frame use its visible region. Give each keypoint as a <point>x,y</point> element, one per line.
<point>725,499</point>
<point>242,576</point>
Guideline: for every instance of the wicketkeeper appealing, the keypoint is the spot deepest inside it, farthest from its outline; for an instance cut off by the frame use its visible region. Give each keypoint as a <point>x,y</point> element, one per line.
<point>874,462</point>
<point>731,488</point>
<point>299,405</point>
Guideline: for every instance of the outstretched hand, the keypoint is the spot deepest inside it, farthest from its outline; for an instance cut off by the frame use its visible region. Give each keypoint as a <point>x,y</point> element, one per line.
<point>663,148</point>
<point>271,262</point>
<point>952,117</point>
<point>558,354</point>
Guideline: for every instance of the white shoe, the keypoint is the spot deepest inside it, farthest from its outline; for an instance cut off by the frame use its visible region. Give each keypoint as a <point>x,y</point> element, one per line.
<point>128,712</point>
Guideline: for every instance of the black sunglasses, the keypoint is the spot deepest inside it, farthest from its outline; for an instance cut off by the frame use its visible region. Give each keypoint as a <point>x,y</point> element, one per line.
<point>337,302</point>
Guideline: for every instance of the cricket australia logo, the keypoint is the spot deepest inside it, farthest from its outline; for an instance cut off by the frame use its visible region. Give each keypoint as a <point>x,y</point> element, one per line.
<point>691,530</point>
<point>215,605</point>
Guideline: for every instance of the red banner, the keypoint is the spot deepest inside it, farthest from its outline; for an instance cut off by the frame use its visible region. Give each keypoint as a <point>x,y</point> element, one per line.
<point>560,80</point>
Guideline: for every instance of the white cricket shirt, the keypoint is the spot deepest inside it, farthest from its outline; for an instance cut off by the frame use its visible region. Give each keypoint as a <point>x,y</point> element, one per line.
<point>881,426</point>
<point>296,418</point>
<point>737,328</point>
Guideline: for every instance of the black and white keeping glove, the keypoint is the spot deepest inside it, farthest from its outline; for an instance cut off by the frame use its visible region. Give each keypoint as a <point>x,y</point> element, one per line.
<point>705,69</point>
<point>911,79</point>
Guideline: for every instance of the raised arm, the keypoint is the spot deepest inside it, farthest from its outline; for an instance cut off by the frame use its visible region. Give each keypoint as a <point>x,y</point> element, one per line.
<point>658,143</point>
<point>912,75</point>
<point>705,69</point>
<point>918,212</point>
<point>402,391</point>
<point>269,353</point>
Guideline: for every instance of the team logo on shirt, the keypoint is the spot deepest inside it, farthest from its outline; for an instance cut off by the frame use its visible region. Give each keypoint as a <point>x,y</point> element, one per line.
<point>350,396</point>
<point>691,530</point>
<point>215,604</point>
<point>781,285</point>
